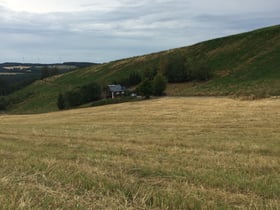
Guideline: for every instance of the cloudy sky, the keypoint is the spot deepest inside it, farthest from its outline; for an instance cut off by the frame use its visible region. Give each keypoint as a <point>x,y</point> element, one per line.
<point>101,31</point>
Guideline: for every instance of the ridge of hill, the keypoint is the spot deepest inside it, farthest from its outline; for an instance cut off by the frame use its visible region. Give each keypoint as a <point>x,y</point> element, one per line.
<point>242,64</point>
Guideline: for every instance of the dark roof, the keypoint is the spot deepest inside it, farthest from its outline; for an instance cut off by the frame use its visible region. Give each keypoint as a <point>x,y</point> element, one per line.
<point>116,88</point>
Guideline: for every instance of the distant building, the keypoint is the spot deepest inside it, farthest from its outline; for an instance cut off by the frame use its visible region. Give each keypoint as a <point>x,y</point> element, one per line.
<point>115,91</point>
<point>16,67</point>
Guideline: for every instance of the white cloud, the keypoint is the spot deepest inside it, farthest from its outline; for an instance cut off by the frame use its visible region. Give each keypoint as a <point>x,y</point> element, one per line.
<point>40,6</point>
<point>101,31</point>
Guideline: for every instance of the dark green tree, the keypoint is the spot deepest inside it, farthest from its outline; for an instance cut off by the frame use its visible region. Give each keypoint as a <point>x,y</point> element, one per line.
<point>159,85</point>
<point>177,69</point>
<point>145,88</point>
<point>163,65</point>
<point>3,103</point>
<point>134,78</point>
<point>149,73</point>
<point>72,98</point>
<point>90,92</point>
<point>200,70</point>
<point>3,87</point>
<point>48,72</point>
<point>81,95</point>
<point>60,102</point>
<point>45,72</point>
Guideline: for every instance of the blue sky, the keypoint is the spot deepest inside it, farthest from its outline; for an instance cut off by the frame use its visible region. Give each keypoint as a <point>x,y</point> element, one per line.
<point>102,31</point>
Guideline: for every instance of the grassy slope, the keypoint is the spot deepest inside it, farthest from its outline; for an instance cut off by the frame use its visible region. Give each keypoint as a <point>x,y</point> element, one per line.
<point>155,154</point>
<point>242,64</point>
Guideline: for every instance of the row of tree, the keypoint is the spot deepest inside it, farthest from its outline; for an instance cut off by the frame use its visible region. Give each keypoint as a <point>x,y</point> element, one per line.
<point>151,81</point>
<point>48,72</point>
<point>156,86</point>
<point>93,92</point>
<point>79,96</point>
<point>178,68</point>
<point>134,78</point>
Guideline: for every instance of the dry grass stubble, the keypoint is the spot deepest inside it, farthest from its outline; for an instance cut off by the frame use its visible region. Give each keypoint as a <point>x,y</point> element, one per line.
<point>169,153</point>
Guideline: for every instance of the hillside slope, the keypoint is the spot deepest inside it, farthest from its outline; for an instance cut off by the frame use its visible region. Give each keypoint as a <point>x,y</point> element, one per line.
<point>242,64</point>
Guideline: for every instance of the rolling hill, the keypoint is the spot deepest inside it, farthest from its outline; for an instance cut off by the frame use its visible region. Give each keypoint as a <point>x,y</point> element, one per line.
<point>243,64</point>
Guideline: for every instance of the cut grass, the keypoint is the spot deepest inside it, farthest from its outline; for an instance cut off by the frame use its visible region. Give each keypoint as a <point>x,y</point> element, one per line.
<point>169,153</point>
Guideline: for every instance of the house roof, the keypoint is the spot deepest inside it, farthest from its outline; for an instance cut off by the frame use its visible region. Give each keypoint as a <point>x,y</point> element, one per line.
<point>116,88</point>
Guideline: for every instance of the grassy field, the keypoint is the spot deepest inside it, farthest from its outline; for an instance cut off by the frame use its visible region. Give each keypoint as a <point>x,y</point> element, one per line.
<point>169,153</point>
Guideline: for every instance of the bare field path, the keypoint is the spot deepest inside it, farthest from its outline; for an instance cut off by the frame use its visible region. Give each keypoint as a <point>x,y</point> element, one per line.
<point>168,153</point>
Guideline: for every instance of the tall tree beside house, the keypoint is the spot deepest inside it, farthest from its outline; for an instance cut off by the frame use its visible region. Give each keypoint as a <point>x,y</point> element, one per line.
<point>145,88</point>
<point>159,85</point>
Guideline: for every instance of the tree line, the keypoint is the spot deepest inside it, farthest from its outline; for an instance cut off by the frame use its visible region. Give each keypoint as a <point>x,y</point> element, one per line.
<point>178,68</point>
<point>78,96</point>
<point>151,81</point>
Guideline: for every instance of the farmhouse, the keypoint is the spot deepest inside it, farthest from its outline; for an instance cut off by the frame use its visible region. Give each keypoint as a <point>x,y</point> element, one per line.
<point>115,91</point>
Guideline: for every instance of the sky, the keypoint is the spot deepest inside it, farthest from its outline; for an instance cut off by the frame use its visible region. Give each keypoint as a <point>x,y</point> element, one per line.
<point>102,31</point>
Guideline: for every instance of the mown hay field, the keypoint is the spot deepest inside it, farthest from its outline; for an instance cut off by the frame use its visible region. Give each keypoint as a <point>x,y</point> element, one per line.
<point>168,153</point>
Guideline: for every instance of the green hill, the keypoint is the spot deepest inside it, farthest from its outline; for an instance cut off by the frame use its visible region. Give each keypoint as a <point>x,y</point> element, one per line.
<point>243,64</point>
